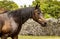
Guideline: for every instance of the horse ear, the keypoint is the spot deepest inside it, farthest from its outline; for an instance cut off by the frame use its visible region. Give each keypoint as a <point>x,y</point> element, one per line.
<point>37,6</point>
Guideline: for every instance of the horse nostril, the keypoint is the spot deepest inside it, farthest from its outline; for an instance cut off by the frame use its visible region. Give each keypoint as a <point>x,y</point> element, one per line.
<point>45,23</point>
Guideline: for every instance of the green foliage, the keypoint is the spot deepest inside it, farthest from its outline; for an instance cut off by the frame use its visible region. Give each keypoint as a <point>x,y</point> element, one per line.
<point>49,7</point>
<point>9,5</point>
<point>47,15</point>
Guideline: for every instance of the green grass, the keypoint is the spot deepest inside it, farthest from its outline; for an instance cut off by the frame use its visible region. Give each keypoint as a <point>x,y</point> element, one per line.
<point>38,37</point>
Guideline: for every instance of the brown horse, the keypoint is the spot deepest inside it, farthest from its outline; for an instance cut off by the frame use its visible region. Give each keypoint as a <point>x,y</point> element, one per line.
<point>11,22</point>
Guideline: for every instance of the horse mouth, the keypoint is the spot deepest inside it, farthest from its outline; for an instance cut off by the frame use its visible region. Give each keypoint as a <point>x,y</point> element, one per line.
<point>43,23</point>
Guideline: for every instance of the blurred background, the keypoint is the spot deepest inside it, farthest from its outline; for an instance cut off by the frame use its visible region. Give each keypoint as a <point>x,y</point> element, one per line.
<point>50,10</point>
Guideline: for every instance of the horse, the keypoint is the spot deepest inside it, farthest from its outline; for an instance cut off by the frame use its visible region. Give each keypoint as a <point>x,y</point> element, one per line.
<point>11,21</point>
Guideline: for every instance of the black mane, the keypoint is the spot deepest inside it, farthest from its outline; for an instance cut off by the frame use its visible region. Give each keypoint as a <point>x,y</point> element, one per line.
<point>22,11</point>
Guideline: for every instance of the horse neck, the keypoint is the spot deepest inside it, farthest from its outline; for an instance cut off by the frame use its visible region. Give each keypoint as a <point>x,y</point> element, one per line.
<point>25,16</point>
<point>21,15</point>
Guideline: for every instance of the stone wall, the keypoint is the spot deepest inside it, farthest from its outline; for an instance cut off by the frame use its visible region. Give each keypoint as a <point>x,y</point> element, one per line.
<point>33,28</point>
